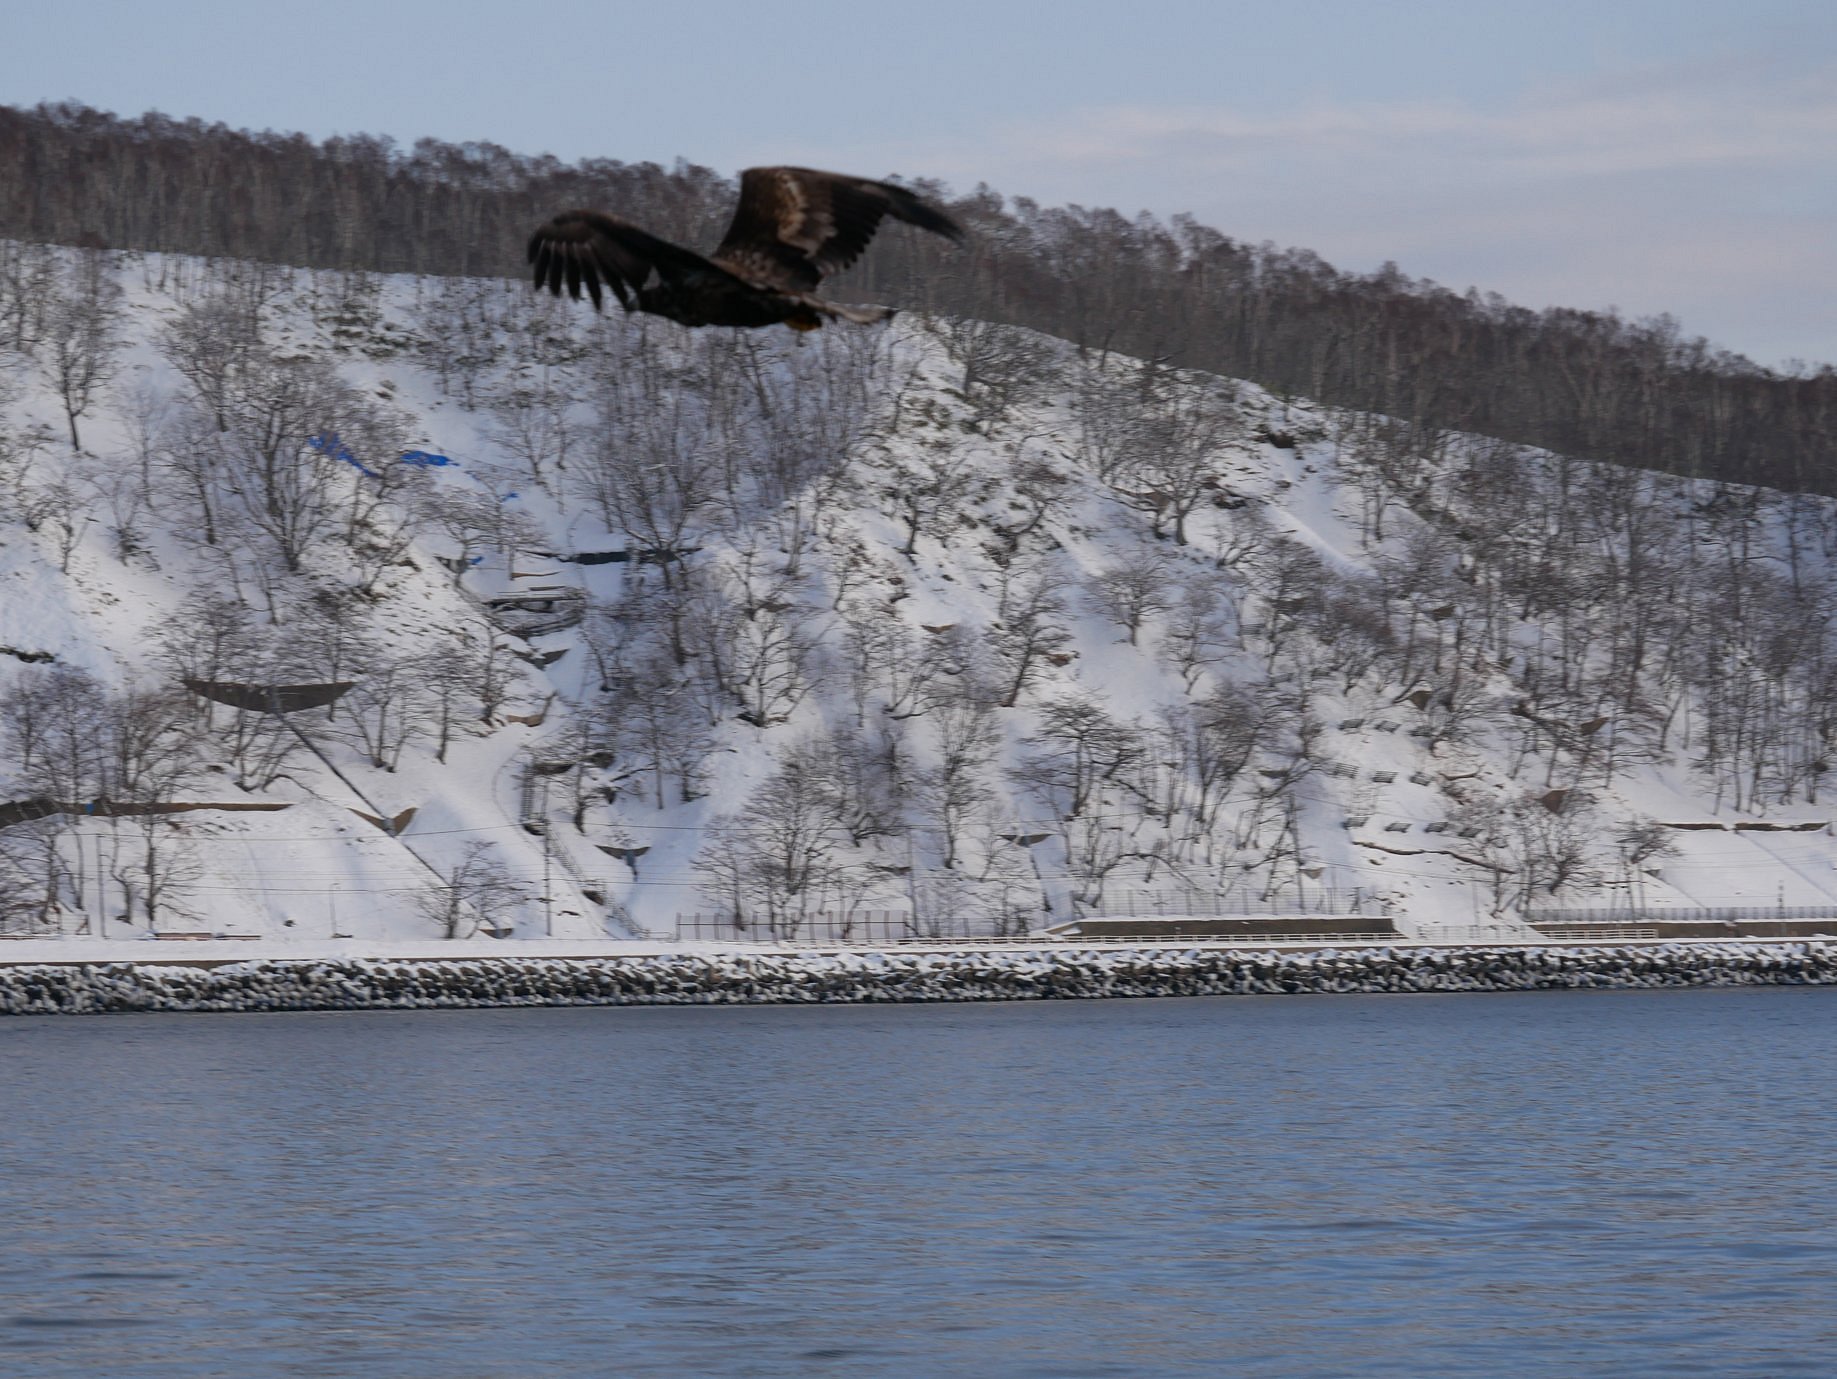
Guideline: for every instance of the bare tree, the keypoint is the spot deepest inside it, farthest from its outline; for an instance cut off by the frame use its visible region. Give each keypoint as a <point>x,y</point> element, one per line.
<point>473,894</point>
<point>82,336</point>
<point>660,731</point>
<point>1001,365</point>
<point>1201,629</point>
<point>155,755</point>
<point>1173,460</point>
<point>146,411</point>
<point>777,856</point>
<point>1108,403</point>
<point>1078,750</point>
<point>62,509</point>
<point>28,285</point>
<point>1212,744</point>
<point>195,468</point>
<point>457,332</point>
<point>929,491</point>
<point>1038,491</point>
<point>530,420</point>
<point>21,461</point>
<point>212,342</point>
<point>447,671</point>
<point>387,709</point>
<point>55,732</point>
<point>285,460</point>
<point>1029,628</point>
<point>37,883</point>
<point>260,745</point>
<point>866,780</point>
<point>467,518</point>
<point>1533,850</point>
<point>958,786</point>
<point>116,754</point>
<point>653,469</point>
<point>772,657</point>
<point>1133,590</point>
<point>910,672</point>
<point>122,494</point>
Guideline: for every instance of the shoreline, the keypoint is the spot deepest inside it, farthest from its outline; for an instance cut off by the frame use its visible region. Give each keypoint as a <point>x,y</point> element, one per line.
<point>651,974</point>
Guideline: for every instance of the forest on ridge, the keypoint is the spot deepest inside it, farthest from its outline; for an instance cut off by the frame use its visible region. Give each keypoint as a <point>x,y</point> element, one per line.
<point>1583,383</point>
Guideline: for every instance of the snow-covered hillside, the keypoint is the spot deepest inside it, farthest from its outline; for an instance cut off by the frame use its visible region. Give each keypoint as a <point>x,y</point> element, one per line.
<point>938,626</point>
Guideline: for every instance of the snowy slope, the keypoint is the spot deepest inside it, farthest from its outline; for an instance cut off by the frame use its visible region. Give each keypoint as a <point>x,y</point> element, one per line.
<point>873,543</point>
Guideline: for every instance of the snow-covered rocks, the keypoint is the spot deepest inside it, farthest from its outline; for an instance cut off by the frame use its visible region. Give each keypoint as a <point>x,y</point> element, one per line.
<point>794,978</point>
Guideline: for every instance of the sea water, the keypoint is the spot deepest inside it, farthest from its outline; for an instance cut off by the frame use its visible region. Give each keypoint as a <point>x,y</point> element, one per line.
<point>1560,1183</point>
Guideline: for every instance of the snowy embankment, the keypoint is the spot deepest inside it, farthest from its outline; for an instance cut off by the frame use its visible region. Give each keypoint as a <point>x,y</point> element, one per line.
<point>392,611</point>
<point>717,978</point>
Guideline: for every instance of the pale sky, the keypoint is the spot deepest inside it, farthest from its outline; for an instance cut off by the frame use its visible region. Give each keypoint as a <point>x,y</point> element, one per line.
<point>1655,155</point>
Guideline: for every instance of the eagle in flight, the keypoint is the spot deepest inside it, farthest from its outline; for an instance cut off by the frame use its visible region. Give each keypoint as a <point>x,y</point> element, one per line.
<point>792,226</point>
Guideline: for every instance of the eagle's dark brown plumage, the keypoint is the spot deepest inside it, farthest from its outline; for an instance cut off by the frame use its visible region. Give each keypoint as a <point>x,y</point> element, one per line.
<point>792,226</point>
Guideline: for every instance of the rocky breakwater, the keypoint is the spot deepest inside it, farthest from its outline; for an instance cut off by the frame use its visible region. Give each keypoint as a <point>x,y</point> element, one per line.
<point>747,978</point>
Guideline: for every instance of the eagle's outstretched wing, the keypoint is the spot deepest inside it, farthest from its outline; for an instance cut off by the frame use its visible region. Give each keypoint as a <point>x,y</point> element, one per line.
<point>590,247</point>
<point>793,225</point>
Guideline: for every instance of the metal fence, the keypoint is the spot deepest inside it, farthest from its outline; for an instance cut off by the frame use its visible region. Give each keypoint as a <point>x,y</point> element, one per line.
<point>1197,904</point>
<point>1681,914</point>
<point>1591,932</point>
<point>832,928</point>
<point>1045,938</point>
<point>883,926</point>
<point>896,928</point>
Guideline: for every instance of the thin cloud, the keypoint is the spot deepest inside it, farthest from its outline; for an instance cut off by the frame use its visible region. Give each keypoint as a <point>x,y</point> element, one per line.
<point>1707,193</point>
<point>1559,135</point>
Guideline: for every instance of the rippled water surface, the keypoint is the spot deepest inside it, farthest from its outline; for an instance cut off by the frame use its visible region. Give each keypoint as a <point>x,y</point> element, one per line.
<point>1590,1183</point>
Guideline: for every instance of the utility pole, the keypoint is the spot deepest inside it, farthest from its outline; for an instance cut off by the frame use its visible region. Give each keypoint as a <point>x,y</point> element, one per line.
<point>548,874</point>
<point>912,880</point>
<point>83,885</point>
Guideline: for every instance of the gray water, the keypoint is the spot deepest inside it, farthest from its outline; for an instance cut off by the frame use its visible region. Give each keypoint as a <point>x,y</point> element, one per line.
<point>1587,1183</point>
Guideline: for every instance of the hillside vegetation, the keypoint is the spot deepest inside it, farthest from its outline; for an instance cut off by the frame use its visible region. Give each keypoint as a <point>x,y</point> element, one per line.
<point>947,625</point>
